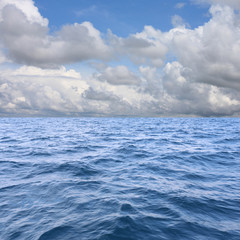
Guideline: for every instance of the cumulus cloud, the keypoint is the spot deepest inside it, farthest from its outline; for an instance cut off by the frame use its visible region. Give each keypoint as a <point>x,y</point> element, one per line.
<point>106,103</point>
<point>27,7</point>
<point>34,91</point>
<point>28,42</point>
<point>189,97</point>
<point>145,47</point>
<point>119,75</point>
<point>211,53</point>
<point>180,72</point>
<point>232,3</point>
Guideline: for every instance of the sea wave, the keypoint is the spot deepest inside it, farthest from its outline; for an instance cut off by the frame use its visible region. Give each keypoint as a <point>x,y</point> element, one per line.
<point>119,178</point>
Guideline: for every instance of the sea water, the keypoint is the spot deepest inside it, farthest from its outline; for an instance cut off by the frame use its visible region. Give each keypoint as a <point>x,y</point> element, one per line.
<point>119,178</point>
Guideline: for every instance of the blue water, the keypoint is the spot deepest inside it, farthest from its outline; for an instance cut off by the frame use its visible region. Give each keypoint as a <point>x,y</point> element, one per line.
<point>119,178</point>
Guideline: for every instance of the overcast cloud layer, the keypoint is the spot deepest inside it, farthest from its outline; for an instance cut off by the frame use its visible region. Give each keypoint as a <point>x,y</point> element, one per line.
<point>186,72</point>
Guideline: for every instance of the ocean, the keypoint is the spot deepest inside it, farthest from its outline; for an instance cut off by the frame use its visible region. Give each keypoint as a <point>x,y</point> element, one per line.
<point>119,178</point>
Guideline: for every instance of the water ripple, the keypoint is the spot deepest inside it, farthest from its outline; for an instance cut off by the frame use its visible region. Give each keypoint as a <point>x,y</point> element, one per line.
<point>119,178</point>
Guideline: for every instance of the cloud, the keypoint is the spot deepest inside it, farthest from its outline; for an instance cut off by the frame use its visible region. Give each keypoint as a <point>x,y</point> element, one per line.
<point>93,10</point>
<point>2,57</point>
<point>177,21</point>
<point>182,71</point>
<point>145,47</point>
<point>119,75</point>
<point>211,52</point>
<point>87,11</point>
<point>27,7</point>
<point>232,3</point>
<point>29,43</point>
<point>33,91</point>
<point>106,103</point>
<point>39,73</point>
<point>98,96</point>
<point>180,5</point>
<point>189,97</point>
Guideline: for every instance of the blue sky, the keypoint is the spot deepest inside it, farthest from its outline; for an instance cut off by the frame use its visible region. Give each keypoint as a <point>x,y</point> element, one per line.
<point>119,58</point>
<point>122,17</point>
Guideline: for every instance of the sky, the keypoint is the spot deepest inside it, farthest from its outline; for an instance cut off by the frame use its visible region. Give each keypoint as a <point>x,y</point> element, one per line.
<point>145,58</point>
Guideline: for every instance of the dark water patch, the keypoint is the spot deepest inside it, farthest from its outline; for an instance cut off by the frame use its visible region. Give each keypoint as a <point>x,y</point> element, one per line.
<point>15,235</point>
<point>197,177</point>
<point>184,229</point>
<point>8,140</point>
<point>126,227</point>
<point>128,208</point>
<point>161,169</point>
<point>39,154</point>
<point>14,164</point>
<point>12,187</point>
<point>161,210</point>
<point>107,162</point>
<point>60,232</point>
<point>207,208</point>
<point>89,183</point>
<point>39,139</point>
<point>76,169</point>
<point>128,149</point>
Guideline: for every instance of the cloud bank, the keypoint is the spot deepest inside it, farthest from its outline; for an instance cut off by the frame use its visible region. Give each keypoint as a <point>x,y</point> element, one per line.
<point>186,72</point>
<point>232,3</point>
<point>28,41</point>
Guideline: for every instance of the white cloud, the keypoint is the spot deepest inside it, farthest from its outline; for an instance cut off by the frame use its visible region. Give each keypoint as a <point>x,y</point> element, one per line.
<point>29,42</point>
<point>119,75</point>
<point>41,73</point>
<point>180,5</point>
<point>145,47</point>
<point>60,92</point>
<point>203,79</point>
<point>189,97</point>
<point>28,8</point>
<point>177,21</point>
<point>211,52</point>
<point>232,3</point>
<point>53,92</point>
<point>30,91</point>
<point>87,11</point>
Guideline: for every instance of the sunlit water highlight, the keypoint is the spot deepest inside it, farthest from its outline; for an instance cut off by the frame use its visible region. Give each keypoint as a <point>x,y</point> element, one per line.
<point>119,178</point>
